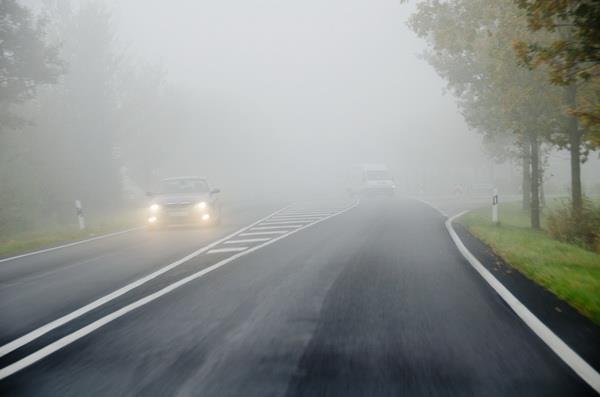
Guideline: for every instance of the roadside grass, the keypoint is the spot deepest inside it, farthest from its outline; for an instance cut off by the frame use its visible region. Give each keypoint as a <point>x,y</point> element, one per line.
<point>570,272</point>
<point>51,236</point>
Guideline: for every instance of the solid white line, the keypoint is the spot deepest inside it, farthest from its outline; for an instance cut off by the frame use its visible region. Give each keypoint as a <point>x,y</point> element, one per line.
<point>260,227</point>
<point>68,339</point>
<point>223,250</point>
<point>87,240</point>
<point>247,240</point>
<point>44,329</point>
<point>442,213</point>
<point>261,233</point>
<point>570,357</point>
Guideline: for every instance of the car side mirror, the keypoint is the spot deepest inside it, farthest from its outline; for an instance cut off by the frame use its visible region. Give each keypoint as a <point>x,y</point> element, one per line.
<point>149,194</point>
<point>215,191</point>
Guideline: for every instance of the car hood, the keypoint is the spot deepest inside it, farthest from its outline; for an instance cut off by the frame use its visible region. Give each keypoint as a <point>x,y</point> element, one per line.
<point>165,199</point>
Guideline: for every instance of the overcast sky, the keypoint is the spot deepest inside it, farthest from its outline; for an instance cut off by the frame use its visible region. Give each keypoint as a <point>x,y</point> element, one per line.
<point>340,79</point>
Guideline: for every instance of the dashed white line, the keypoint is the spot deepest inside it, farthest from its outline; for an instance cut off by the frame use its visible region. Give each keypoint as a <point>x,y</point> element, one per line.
<point>224,250</point>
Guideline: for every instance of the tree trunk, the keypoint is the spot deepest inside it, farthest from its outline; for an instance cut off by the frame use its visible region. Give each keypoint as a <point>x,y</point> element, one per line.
<point>575,152</point>
<point>526,183</point>
<point>535,180</point>
<point>541,182</point>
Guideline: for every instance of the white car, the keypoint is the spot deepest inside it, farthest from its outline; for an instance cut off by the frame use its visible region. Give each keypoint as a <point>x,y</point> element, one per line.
<point>184,200</point>
<point>371,180</point>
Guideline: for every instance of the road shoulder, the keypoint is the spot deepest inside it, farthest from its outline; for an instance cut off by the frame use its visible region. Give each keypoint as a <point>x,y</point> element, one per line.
<point>580,333</point>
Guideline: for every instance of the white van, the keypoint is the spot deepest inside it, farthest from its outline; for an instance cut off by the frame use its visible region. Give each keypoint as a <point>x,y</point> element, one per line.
<point>371,180</point>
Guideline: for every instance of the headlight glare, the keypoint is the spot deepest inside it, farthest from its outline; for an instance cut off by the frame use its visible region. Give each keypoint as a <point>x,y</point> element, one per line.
<point>154,207</point>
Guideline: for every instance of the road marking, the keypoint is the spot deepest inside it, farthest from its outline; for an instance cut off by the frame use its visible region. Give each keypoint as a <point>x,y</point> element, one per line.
<point>261,233</point>
<point>558,346</point>
<point>293,222</point>
<point>298,216</point>
<point>44,329</point>
<point>297,219</point>
<point>87,240</point>
<point>307,214</point>
<point>431,205</point>
<point>260,227</point>
<point>247,240</point>
<point>223,250</point>
<point>68,339</point>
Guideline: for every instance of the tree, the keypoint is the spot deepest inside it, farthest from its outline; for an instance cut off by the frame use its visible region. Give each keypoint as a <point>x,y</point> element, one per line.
<point>471,48</point>
<point>571,53</point>
<point>26,60</point>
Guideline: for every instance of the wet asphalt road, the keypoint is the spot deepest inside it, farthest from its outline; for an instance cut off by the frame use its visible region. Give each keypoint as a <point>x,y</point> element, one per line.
<point>374,301</point>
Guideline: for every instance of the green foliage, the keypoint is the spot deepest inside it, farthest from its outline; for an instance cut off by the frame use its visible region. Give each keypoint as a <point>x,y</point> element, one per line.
<point>574,52</point>
<point>26,60</point>
<point>471,48</point>
<point>580,229</point>
<point>570,272</point>
<point>67,150</point>
<point>570,52</point>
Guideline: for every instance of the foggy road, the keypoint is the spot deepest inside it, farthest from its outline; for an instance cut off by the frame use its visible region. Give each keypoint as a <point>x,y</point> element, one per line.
<point>322,298</point>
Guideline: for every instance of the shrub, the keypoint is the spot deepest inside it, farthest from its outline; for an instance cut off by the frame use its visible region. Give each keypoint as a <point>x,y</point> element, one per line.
<point>562,224</point>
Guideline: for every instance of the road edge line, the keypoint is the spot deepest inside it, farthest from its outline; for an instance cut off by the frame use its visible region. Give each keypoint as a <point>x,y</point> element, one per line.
<point>44,329</point>
<point>553,341</point>
<point>67,245</point>
<point>88,329</point>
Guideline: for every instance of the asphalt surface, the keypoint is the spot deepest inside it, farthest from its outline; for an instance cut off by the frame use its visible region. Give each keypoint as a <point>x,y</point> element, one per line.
<point>376,301</point>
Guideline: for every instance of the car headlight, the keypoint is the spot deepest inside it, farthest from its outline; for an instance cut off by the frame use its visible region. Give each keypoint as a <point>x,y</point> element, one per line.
<point>154,207</point>
<point>202,205</point>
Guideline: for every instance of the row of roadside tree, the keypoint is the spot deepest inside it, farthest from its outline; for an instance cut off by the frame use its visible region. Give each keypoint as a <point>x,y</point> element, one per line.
<point>527,76</point>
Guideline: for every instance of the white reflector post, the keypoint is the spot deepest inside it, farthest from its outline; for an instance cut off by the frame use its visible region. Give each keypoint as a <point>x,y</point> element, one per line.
<point>495,207</point>
<point>80,217</point>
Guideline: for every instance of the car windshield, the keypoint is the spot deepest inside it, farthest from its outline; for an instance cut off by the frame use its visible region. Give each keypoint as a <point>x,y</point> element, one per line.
<point>183,186</point>
<point>377,175</point>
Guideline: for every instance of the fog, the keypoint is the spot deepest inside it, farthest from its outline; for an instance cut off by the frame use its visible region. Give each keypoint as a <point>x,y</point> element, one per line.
<point>297,92</point>
<point>267,99</point>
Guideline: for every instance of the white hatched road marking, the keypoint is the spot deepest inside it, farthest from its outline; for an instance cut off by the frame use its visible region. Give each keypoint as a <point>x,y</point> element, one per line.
<point>262,233</point>
<point>247,240</point>
<point>88,329</point>
<point>285,222</point>
<point>44,329</point>
<point>224,250</point>
<point>306,212</point>
<point>287,218</point>
<point>274,227</point>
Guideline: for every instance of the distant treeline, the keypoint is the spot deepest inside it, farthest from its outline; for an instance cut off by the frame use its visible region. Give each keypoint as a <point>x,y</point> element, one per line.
<point>80,118</point>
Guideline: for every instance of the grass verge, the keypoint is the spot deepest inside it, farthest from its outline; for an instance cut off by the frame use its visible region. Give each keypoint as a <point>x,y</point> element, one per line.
<point>568,271</point>
<point>49,237</point>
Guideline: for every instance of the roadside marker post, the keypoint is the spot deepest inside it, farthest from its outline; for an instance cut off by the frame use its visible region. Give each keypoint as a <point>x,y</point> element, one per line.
<point>79,211</point>
<point>495,207</point>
